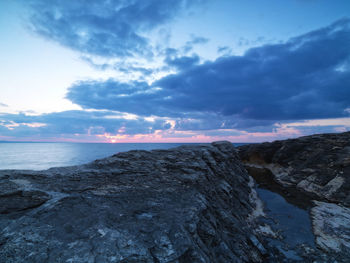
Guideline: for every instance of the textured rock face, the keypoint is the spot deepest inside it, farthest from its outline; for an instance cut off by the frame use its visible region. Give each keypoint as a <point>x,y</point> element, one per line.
<point>331,226</point>
<point>307,169</point>
<point>318,165</point>
<point>188,204</point>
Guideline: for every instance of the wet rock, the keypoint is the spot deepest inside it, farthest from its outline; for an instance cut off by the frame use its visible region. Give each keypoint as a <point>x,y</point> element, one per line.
<point>188,204</point>
<point>306,169</point>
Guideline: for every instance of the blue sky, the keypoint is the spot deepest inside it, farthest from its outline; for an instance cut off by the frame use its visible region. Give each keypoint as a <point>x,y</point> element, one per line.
<point>173,70</point>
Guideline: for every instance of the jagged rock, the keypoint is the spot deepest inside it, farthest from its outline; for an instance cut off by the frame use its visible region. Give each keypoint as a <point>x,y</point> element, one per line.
<point>331,226</point>
<point>188,204</point>
<point>318,165</point>
<point>305,169</point>
<point>21,200</point>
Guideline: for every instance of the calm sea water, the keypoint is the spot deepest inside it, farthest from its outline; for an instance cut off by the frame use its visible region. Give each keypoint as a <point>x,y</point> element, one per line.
<point>38,156</point>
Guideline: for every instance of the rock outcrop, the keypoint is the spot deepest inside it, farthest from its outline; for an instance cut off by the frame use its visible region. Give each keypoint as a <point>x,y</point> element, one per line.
<point>318,165</point>
<point>188,204</point>
<point>314,172</point>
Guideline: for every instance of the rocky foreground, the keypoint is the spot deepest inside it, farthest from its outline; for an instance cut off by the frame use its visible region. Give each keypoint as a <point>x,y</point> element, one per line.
<point>187,204</point>
<point>314,172</point>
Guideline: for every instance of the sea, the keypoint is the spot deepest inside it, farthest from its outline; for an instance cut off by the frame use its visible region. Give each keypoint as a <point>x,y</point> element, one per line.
<point>40,155</point>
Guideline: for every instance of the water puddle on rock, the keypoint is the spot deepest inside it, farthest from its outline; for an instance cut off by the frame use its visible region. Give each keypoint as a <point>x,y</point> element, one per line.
<point>291,223</point>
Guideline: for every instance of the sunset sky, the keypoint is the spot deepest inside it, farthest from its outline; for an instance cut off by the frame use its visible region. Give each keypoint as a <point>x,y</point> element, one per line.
<point>173,70</point>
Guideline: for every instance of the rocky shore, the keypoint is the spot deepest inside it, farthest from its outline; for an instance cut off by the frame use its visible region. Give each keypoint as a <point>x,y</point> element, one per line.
<point>314,172</point>
<point>187,204</point>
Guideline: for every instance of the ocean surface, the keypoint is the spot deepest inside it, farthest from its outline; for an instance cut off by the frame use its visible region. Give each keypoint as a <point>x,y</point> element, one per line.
<point>40,156</point>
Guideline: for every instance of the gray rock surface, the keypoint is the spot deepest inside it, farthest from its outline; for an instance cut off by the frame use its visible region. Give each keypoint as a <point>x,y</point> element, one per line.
<point>317,165</point>
<point>188,204</point>
<point>331,226</point>
<point>314,173</point>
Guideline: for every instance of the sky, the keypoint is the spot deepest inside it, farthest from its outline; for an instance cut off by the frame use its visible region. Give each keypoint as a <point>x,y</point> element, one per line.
<point>173,70</point>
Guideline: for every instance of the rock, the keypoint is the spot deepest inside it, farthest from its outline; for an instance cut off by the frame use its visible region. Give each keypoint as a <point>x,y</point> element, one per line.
<point>305,170</point>
<point>316,165</point>
<point>188,204</point>
<point>21,200</point>
<point>331,227</point>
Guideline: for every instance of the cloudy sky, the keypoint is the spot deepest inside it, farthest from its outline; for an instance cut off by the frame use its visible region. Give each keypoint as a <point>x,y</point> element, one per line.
<point>173,70</point>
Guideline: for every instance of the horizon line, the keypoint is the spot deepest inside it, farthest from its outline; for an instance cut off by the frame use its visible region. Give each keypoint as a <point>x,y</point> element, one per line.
<point>4,141</point>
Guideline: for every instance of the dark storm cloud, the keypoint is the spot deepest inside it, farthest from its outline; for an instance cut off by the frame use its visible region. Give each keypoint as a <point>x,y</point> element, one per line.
<point>106,94</point>
<point>307,77</point>
<point>106,28</point>
<point>76,122</point>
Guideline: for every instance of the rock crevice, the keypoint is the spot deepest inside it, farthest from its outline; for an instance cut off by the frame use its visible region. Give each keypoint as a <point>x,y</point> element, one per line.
<point>314,173</point>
